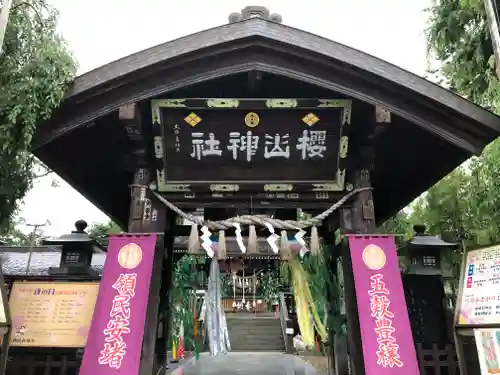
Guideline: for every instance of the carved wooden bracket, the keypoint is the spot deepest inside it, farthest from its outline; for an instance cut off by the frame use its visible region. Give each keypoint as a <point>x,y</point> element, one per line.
<point>382,115</point>
<point>130,118</point>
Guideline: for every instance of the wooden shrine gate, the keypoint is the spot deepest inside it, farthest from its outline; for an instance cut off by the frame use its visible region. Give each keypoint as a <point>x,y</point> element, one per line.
<point>176,124</point>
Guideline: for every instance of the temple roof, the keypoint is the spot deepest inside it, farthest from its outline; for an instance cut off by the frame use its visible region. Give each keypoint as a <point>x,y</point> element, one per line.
<point>429,123</point>
<point>15,260</point>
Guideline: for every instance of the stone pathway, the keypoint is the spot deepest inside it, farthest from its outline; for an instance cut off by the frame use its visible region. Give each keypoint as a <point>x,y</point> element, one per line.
<point>246,364</point>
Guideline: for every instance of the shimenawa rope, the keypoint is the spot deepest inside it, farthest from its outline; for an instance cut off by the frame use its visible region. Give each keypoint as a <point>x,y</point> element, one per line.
<point>261,219</point>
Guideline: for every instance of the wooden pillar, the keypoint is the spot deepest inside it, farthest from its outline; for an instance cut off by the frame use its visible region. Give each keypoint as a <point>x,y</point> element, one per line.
<point>358,218</point>
<point>338,342</point>
<point>339,363</point>
<point>148,215</point>
<point>166,286</point>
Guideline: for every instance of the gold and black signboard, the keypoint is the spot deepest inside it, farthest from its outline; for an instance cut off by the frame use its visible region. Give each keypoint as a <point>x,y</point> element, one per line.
<point>258,145</point>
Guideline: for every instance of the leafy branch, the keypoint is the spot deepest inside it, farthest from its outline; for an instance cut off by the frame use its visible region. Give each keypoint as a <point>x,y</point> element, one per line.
<point>35,68</point>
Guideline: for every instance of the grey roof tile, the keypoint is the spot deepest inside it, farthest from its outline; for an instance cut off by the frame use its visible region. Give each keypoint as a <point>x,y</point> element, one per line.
<point>14,263</point>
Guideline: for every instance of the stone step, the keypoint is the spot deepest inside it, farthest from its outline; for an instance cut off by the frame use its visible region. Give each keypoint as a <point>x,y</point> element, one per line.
<point>264,335</point>
<point>256,339</point>
<point>252,327</point>
<point>258,349</point>
<point>257,345</point>
<point>255,332</point>
<point>254,348</point>
<point>253,322</point>
<point>252,316</point>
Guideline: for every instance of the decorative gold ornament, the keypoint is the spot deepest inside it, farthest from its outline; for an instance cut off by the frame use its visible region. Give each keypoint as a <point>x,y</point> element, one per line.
<point>344,142</point>
<point>310,119</point>
<point>374,257</point>
<point>130,256</point>
<point>252,119</point>
<point>192,119</point>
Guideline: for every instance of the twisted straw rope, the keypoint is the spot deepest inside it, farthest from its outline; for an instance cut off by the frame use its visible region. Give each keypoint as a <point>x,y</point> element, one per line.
<point>261,219</point>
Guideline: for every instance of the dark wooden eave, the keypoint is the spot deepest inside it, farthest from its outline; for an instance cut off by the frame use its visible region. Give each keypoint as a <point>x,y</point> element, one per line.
<point>257,45</point>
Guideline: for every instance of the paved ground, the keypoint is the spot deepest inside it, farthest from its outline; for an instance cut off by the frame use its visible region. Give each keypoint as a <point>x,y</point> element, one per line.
<point>247,364</point>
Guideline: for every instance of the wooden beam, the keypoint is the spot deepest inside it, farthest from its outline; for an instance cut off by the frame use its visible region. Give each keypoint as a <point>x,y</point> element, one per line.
<point>129,117</point>
<point>254,81</point>
<point>138,202</point>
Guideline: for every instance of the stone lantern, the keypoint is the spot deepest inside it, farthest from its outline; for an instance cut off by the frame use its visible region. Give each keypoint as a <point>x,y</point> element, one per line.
<point>76,254</point>
<point>424,253</point>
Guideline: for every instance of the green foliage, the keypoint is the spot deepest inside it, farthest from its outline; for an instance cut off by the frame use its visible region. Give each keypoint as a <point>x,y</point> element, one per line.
<point>35,68</point>
<point>101,231</point>
<point>182,300</point>
<point>325,289</point>
<point>400,224</point>
<point>458,37</point>
<point>465,205</point>
<point>271,285</point>
<point>13,236</point>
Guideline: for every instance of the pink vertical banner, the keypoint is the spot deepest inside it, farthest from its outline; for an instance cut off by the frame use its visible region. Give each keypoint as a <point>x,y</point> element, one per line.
<point>388,346</point>
<point>114,342</point>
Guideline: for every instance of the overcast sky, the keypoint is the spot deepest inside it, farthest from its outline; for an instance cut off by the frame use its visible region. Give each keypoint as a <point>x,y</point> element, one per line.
<point>101,31</point>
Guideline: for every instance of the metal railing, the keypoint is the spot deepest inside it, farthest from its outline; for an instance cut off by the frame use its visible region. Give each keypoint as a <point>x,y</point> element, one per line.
<point>286,324</point>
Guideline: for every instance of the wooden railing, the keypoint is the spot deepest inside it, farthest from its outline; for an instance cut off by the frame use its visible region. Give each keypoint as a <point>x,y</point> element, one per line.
<point>286,324</point>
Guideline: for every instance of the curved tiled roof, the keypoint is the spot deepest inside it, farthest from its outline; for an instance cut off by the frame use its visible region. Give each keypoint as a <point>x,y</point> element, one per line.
<point>15,259</point>
<point>444,124</point>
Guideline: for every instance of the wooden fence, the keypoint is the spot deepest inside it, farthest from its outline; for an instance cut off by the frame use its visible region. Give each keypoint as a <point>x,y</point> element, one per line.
<point>43,364</point>
<point>228,306</point>
<point>436,361</point>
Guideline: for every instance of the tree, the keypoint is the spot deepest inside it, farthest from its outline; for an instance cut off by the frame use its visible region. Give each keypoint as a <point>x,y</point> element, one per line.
<point>101,231</point>
<point>458,37</point>
<point>465,205</point>
<point>35,68</point>
<point>400,224</point>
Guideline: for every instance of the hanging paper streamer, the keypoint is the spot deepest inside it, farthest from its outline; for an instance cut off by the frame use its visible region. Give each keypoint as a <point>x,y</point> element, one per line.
<point>218,336</point>
<point>299,237</point>
<point>221,250</point>
<point>252,245</point>
<point>207,242</point>
<point>284,246</point>
<point>194,240</point>
<point>314,245</point>
<point>272,239</point>
<point>239,238</point>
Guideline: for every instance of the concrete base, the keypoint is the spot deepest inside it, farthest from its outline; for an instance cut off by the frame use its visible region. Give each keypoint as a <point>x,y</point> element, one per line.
<point>246,363</point>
